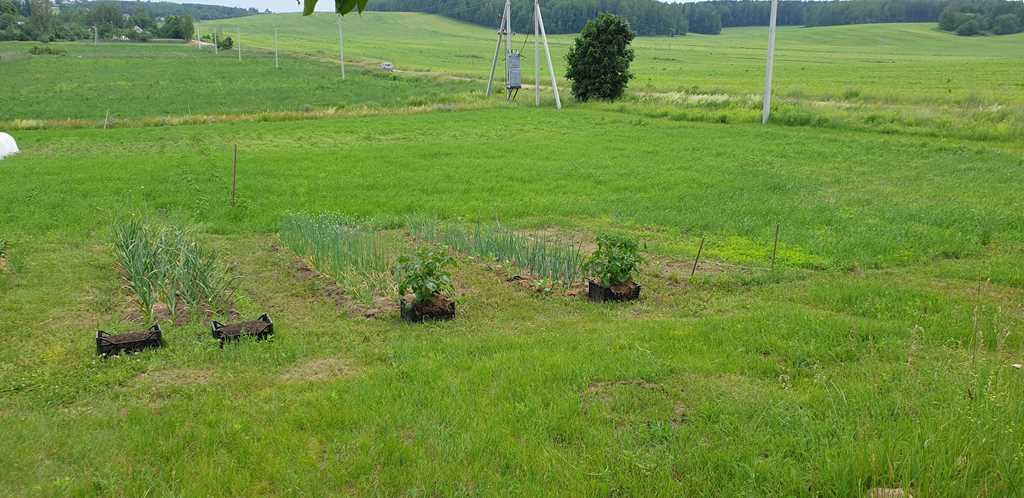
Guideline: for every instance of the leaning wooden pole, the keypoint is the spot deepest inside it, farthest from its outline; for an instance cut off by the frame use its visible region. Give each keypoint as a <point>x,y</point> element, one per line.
<point>497,50</point>
<point>547,50</point>
<point>767,101</point>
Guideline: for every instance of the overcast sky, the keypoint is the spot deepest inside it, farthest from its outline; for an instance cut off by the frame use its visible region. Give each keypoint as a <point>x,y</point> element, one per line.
<point>279,5</point>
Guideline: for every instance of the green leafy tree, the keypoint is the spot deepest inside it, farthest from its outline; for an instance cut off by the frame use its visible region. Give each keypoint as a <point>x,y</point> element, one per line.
<point>970,28</point>
<point>40,20</point>
<point>599,59</point>
<point>340,6</point>
<point>1006,24</point>
<point>107,18</point>
<point>8,7</point>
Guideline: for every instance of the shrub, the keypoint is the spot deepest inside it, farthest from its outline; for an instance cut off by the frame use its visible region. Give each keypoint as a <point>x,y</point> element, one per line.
<point>46,50</point>
<point>969,28</point>
<point>425,274</point>
<point>225,43</point>
<point>598,61</point>
<point>616,259</point>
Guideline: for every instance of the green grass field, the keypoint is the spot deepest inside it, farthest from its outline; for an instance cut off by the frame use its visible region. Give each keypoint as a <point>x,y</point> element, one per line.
<point>879,352</point>
<point>889,63</point>
<point>139,80</point>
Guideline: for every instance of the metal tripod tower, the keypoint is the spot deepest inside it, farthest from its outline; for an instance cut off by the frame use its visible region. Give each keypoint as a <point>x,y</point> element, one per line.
<point>505,36</point>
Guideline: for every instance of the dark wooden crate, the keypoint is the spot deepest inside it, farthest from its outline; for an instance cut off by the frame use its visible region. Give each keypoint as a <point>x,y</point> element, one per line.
<point>260,329</point>
<point>131,342</point>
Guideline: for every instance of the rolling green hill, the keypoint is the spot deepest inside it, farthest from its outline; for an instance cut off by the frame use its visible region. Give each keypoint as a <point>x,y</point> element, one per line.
<point>892,63</point>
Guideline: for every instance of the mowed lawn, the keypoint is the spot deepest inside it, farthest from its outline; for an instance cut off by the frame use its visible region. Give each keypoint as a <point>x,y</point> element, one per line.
<point>114,81</point>
<point>887,63</point>
<point>878,353</point>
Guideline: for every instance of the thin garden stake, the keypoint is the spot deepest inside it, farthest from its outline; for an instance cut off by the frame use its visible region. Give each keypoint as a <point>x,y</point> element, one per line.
<point>695,260</point>
<point>234,176</point>
<point>775,248</point>
<point>276,65</point>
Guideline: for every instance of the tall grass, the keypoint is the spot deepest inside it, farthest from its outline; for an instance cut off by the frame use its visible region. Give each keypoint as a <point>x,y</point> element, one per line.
<point>549,258</point>
<point>357,257</point>
<point>165,264</point>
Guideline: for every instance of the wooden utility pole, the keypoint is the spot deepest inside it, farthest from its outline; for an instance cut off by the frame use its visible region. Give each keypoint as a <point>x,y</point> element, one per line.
<point>341,48</point>
<point>767,101</point>
<point>536,54</point>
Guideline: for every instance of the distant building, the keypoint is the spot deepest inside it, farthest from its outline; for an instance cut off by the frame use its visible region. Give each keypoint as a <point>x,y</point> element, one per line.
<point>137,29</point>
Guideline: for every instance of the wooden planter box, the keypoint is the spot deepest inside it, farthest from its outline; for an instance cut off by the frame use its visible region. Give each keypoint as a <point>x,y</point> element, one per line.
<point>260,328</point>
<point>418,312</point>
<point>629,291</point>
<point>132,342</point>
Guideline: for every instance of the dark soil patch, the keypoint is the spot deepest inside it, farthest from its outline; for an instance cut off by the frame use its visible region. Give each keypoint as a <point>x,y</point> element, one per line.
<point>437,308</point>
<point>526,280</point>
<point>626,291</point>
<point>330,289</point>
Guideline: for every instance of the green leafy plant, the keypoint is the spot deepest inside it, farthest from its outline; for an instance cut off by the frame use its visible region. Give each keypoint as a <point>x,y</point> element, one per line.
<point>616,259</point>
<point>425,274</point>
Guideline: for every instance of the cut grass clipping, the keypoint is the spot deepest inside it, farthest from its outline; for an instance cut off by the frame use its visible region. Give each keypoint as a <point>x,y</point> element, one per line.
<point>556,260</point>
<point>359,258</point>
<point>164,264</point>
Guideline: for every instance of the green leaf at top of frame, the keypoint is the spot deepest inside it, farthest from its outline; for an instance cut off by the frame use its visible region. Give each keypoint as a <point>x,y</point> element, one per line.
<point>340,6</point>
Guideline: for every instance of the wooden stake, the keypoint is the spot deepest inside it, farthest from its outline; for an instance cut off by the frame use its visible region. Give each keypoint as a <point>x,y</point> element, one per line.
<point>276,65</point>
<point>695,260</point>
<point>106,119</point>
<point>234,176</point>
<point>775,248</point>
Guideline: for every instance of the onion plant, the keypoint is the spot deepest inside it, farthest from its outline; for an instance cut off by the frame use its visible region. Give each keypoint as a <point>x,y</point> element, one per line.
<point>164,263</point>
<point>545,257</point>
<point>357,257</point>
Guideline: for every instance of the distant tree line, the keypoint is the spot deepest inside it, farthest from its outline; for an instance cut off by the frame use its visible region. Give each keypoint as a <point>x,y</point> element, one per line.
<point>649,17</point>
<point>43,20</point>
<point>975,18</point>
<point>646,17</point>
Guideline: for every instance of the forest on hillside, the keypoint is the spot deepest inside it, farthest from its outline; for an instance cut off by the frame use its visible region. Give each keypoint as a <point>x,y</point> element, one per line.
<point>651,17</point>
<point>43,20</point>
